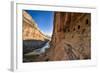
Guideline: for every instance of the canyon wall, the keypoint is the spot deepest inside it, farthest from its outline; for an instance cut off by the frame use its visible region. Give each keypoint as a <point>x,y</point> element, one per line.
<point>71,39</point>
<point>30,29</point>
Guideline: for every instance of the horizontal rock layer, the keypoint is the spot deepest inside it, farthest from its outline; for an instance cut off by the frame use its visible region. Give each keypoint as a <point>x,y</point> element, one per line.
<point>30,29</point>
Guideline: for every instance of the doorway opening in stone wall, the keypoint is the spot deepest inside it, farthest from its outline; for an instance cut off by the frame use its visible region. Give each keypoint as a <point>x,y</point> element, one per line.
<point>56,36</point>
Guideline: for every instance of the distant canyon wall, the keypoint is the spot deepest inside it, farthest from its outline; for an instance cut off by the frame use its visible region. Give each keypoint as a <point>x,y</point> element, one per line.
<point>30,29</point>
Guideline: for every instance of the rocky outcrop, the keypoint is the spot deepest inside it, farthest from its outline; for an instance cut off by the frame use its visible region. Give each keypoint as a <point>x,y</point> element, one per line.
<point>30,29</point>
<point>71,39</point>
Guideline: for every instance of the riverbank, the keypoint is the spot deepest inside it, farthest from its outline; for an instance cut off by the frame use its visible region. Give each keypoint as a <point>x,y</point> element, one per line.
<point>32,49</point>
<point>30,45</point>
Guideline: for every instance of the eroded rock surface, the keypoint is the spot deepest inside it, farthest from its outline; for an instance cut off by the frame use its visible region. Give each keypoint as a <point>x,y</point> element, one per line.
<point>71,38</point>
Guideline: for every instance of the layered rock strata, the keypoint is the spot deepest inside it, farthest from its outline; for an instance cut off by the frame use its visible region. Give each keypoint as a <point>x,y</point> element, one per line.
<point>30,29</point>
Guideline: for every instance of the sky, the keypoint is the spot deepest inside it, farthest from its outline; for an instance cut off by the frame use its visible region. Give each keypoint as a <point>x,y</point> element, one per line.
<point>44,20</point>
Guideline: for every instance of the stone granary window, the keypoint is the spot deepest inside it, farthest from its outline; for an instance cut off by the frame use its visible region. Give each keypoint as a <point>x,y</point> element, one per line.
<point>87,21</point>
<point>78,26</point>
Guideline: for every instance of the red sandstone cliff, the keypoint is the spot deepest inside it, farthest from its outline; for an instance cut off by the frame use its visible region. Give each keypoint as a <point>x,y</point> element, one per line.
<point>71,37</point>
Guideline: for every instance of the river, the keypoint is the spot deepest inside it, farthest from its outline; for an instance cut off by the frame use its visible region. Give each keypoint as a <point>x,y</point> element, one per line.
<point>39,51</point>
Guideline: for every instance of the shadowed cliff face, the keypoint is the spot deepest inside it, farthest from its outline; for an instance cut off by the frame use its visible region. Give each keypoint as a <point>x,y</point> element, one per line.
<point>71,38</point>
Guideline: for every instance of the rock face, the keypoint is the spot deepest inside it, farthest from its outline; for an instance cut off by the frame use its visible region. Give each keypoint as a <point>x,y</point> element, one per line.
<point>71,39</point>
<point>30,29</point>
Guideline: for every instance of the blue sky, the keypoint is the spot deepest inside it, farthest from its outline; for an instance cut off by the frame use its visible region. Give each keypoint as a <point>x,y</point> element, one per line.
<point>44,20</point>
